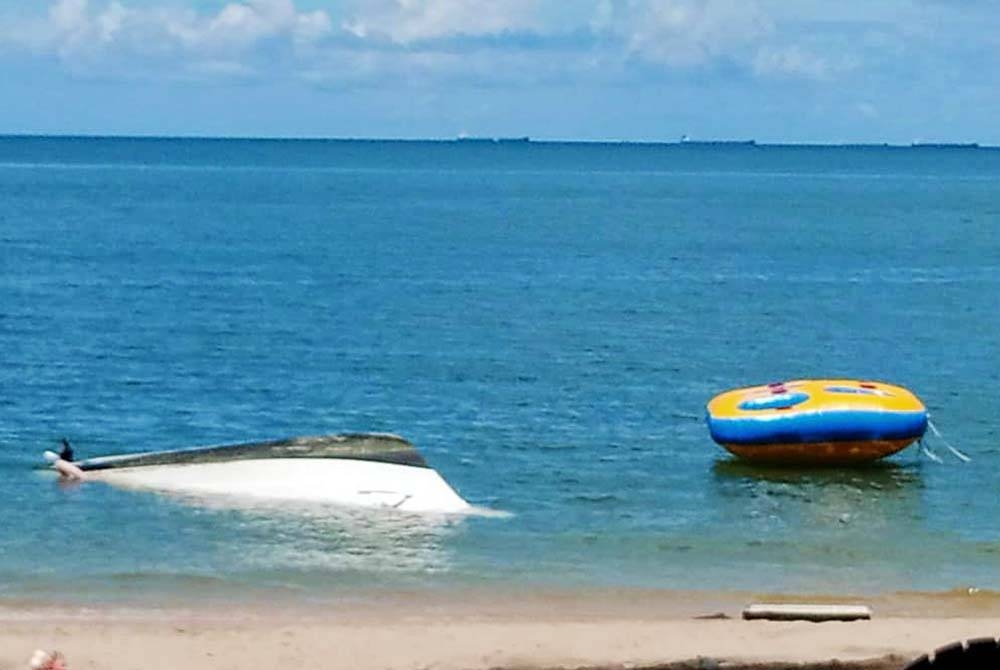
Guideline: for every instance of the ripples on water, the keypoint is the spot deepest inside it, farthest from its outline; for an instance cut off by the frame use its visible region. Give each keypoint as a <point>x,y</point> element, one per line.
<point>546,322</point>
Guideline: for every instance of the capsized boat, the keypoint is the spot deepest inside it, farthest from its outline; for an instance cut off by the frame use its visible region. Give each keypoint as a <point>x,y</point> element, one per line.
<point>817,421</point>
<point>367,469</point>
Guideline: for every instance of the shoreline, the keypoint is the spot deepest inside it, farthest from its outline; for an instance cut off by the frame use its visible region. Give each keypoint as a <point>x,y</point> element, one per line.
<point>498,602</point>
<point>613,628</point>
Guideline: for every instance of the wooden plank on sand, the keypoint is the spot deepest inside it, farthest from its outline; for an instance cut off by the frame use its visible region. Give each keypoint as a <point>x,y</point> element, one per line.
<point>773,612</point>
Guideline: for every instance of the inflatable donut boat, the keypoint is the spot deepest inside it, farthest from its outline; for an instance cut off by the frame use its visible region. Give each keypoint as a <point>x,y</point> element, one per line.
<point>817,421</point>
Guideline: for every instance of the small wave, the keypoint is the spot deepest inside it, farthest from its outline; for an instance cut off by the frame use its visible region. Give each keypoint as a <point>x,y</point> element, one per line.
<point>489,513</point>
<point>596,497</point>
<point>981,594</point>
<point>190,579</point>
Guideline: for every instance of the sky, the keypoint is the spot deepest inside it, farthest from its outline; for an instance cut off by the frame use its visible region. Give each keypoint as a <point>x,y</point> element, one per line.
<point>893,71</point>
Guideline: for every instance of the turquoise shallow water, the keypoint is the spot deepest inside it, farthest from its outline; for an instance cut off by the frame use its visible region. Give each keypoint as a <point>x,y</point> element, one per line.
<point>545,321</point>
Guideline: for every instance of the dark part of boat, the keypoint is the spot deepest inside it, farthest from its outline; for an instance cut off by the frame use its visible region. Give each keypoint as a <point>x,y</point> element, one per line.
<point>66,453</point>
<point>378,447</point>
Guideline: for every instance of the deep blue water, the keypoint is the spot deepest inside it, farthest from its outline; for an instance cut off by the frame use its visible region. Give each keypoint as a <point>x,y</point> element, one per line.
<point>545,321</point>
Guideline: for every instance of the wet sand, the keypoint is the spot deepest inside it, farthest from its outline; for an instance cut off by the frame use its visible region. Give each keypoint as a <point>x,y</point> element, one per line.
<point>478,630</point>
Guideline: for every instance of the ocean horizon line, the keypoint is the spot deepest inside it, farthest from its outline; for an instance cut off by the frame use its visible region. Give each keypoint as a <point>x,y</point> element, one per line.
<point>506,140</point>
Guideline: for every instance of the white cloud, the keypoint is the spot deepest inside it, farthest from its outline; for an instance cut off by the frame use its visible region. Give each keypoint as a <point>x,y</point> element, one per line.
<point>791,61</point>
<point>683,33</point>
<point>246,23</point>
<point>406,21</point>
<point>758,38</point>
<point>313,27</point>
<point>866,110</point>
<point>110,22</point>
<point>444,69</point>
<point>74,29</point>
<point>68,15</point>
<point>527,40</point>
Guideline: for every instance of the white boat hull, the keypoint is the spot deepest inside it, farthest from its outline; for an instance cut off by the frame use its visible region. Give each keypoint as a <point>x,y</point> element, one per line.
<point>338,481</point>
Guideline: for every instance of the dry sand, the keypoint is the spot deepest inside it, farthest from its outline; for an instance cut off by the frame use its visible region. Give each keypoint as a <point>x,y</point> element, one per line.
<point>478,631</point>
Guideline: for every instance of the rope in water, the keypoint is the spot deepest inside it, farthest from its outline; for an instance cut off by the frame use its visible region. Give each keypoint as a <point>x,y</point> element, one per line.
<point>934,457</point>
<point>958,454</point>
<point>928,453</point>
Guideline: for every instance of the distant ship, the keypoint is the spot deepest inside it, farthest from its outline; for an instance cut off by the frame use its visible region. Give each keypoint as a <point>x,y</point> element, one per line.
<point>862,145</point>
<point>714,143</point>
<point>493,140</point>
<point>945,145</point>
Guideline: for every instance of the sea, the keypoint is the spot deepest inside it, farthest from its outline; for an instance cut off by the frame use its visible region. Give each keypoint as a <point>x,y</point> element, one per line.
<point>544,321</point>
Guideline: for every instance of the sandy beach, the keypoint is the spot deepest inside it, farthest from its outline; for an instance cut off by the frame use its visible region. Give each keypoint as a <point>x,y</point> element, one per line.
<point>618,629</point>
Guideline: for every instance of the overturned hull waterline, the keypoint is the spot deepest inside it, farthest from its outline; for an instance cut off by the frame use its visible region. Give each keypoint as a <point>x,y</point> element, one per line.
<point>369,470</point>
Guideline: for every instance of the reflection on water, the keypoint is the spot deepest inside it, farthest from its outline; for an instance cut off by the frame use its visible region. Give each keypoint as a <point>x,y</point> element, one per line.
<point>823,529</point>
<point>880,475</point>
<point>335,538</point>
<point>821,506</point>
<point>216,547</point>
